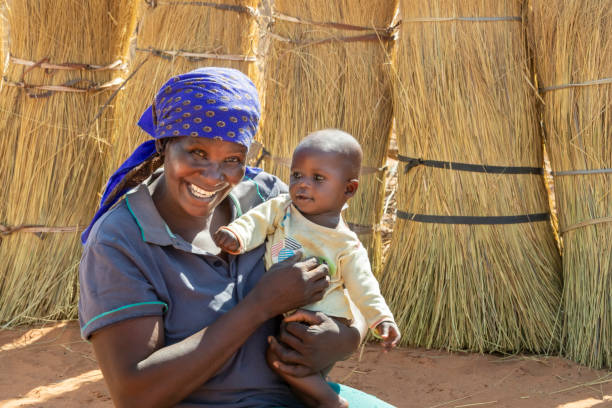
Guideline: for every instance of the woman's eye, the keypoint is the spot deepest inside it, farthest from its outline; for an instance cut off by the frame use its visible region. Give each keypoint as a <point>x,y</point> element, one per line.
<point>198,153</point>
<point>233,160</point>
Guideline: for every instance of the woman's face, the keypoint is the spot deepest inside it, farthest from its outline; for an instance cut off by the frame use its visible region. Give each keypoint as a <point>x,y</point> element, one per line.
<point>200,172</point>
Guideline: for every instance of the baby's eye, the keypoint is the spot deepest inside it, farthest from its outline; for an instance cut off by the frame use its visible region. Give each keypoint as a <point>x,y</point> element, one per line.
<point>318,177</point>
<point>296,174</point>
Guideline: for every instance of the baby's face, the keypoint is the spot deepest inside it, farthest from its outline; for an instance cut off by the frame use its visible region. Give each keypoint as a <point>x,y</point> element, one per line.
<point>318,183</point>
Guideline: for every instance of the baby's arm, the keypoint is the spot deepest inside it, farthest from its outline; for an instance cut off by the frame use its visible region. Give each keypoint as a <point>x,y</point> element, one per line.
<point>250,230</point>
<point>364,291</point>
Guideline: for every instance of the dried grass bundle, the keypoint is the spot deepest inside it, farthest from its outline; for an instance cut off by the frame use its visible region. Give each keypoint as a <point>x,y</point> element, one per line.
<point>50,158</point>
<point>463,95</point>
<point>175,37</point>
<point>573,45</point>
<point>3,37</point>
<point>315,78</point>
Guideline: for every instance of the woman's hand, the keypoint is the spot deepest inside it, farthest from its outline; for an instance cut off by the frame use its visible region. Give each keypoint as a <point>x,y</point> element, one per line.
<point>290,284</point>
<point>310,342</point>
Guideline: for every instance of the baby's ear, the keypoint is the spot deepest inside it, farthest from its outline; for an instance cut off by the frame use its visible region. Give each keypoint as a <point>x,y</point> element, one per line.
<point>351,187</point>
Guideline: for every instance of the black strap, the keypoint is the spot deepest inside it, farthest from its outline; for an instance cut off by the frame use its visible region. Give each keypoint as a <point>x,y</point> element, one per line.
<point>479,168</point>
<point>472,220</point>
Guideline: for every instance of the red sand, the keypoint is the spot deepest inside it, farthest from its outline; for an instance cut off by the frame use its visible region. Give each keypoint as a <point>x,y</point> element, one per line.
<point>52,367</point>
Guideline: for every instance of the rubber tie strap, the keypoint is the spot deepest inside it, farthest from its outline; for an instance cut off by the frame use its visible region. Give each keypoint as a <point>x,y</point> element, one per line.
<point>478,168</point>
<point>69,66</point>
<point>581,172</point>
<point>473,220</point>
<point>38,230</point>
<point>339,26</point>
<point>68,86</point>
<point>587,223</point>
<point>450,19</point>
<point>349,39</point>
<point>360,229</point>
<point>196,56</point>
<point>225,7</point>
<point>576,85</point>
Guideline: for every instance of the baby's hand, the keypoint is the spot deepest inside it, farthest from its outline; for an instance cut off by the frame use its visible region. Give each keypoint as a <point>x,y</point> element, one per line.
<point>390,334</point>
<point>227,241</point>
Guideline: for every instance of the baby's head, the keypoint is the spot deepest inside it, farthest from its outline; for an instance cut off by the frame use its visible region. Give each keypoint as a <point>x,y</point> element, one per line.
<point>325,172</point>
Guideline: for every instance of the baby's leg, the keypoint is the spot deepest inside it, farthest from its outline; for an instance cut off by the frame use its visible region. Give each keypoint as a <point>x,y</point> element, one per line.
<point>312,389</point>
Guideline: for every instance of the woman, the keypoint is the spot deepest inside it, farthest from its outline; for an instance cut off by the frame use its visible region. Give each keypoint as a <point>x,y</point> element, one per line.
<point>170,317</point>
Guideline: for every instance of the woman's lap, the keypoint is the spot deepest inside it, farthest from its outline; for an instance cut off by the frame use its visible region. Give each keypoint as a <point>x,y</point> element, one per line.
<point>358,399</point>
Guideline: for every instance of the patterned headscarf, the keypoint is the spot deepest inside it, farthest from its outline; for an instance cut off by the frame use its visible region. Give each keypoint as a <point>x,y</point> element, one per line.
<point>216,103</point>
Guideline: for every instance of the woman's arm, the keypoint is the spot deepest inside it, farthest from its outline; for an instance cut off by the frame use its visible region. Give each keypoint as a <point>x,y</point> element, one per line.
<point>141,371</point>
<point>313,341</point>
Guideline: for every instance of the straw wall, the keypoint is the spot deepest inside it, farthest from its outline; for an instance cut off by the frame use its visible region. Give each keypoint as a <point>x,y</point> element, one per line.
<point>3,37</point>
<point>320,75</point>
<point>50,158</point>
<point>463,96</point>
<point>573,50</point>
<point>175,37</point>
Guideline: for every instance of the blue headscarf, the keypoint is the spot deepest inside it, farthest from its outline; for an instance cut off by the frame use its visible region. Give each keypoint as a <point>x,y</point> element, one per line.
<point>216,103</point>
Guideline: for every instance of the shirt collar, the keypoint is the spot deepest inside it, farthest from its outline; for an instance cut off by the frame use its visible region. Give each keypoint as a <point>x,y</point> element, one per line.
<point>152,226</point>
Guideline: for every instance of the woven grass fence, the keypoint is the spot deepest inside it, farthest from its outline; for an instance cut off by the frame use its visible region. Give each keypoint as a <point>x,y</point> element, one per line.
<point>325,68</point>
<point>473,263</point>
<point>65,60</point>
<point>573,49</point>
<point>175,37</point>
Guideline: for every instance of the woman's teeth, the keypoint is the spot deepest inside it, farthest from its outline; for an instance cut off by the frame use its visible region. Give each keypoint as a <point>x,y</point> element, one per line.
<point>200,193</point>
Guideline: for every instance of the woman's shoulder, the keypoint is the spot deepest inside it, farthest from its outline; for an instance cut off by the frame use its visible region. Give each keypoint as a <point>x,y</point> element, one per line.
<point>257,187</point>
<point>117,224</point>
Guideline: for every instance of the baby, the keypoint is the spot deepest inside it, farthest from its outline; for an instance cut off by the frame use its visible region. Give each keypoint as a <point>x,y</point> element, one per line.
<point>324,175</point>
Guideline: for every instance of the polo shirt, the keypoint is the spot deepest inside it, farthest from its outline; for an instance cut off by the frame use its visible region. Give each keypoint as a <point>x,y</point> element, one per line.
<point>134,266</point>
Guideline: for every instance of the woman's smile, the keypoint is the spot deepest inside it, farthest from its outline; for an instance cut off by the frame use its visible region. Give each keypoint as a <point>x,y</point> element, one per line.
<point>200,193</point>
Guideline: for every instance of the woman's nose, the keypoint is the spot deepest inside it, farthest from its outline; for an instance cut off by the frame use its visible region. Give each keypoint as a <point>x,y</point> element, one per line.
<point>212,172</point>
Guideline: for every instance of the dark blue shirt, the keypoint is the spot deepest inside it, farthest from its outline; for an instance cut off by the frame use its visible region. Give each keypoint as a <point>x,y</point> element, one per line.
<point>134,266</point>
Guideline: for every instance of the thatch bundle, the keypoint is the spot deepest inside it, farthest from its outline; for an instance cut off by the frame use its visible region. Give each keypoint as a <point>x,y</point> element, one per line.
<point>50,154</point>
<point>321,73</point>
<point>175,37</point>
<point>463,96</point>
<point>573,50</point>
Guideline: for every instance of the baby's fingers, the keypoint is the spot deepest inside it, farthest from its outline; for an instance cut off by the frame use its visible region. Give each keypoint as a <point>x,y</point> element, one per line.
<point>394,336</point>
<point>389,334</point>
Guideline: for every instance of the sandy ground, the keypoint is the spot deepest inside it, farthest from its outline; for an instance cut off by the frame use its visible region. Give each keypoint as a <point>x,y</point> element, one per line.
<point>51,366</point>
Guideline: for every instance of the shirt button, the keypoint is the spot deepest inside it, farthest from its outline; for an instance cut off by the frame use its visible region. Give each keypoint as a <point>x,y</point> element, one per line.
<point>217,264</point>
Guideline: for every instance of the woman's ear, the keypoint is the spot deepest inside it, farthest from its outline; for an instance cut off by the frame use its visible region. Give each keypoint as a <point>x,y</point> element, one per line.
<point>351,187</point>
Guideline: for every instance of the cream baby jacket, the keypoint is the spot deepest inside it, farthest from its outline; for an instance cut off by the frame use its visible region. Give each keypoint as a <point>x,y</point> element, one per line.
<point>287,230</point>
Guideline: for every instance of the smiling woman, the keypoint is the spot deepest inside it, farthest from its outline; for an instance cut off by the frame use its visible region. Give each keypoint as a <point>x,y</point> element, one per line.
<point>172,319</point>
<point>199,173</point>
